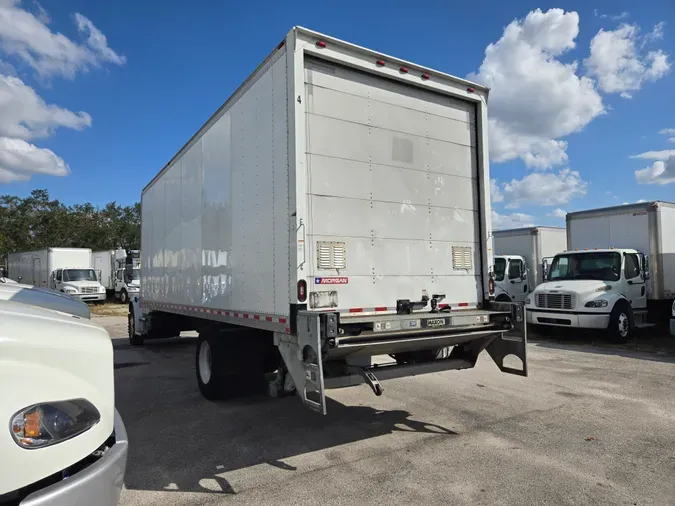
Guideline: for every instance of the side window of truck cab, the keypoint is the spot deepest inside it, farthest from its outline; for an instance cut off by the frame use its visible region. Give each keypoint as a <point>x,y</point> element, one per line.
<point>58,275</point>
<point>632,266</point>
<point>515,268</point>
<point>118,275</point>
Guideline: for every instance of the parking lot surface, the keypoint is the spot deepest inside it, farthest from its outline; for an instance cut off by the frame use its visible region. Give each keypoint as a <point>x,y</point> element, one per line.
<point>590,425</point>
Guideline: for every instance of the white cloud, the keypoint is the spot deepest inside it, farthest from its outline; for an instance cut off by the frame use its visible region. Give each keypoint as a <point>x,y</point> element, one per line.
<point>558,213</point>
<point>536,99</point>
<point>513,220</point>
<point>28,38</point>
<point>495,192</point>
<point>641,201</point>
<point>613,17</point>
<point>657,32</point>
<point>668,131</point>
<point>618,62</point>
<point>547,189</point>
<point>656,155</point>
<point>24,115</point>
<point>19,160</point>
<point>660,172</point>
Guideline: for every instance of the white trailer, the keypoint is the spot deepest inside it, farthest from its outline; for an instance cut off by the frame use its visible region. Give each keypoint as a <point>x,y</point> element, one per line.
<point>104,262</point>
<point>66,270</point>
<point>618,273</point>
<point>337,207</point>
<point>522,257</point>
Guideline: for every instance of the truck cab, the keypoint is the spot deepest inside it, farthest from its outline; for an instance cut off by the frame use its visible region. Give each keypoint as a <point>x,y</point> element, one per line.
<point>127,284</point>
<point>80,283</point>
<point>511,276</point>
<point>593,289</point>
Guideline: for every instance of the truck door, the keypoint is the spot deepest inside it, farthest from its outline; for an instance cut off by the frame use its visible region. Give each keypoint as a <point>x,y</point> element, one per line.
<point>517,279</point>
<point>636,287</point>
<point>119,281</point>
<point>58,279</point>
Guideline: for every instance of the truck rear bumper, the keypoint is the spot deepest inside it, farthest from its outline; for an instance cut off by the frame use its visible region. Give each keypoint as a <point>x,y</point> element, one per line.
<point>568,319</point>
<point>100,483</point>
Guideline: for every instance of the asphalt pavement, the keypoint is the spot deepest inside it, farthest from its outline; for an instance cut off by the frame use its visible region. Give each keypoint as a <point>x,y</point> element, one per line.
<point>590,425</point>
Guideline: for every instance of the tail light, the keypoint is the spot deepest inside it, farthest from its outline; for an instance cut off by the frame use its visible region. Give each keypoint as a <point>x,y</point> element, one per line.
<point>491,285</point>
<point>302,290</point>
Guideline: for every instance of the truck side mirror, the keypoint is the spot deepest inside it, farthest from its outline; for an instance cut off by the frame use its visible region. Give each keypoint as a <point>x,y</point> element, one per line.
<point>645,267</point>
<point>19,279</point>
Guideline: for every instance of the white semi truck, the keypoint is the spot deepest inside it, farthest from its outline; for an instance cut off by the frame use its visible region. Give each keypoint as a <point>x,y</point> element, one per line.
<point>66,270</point>
<point>618,272</point>
<point>61,440</point>
<point>522,258</point>
<point>120,271</point>
<point>335,208</point>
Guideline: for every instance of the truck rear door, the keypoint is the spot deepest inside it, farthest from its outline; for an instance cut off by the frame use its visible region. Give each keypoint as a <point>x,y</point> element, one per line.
<point>392,193</point>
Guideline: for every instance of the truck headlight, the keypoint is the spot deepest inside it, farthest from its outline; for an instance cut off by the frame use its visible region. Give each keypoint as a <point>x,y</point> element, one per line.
<point>527,301</point>
<point>596,303</point>
<point>49,423</point>
<point>70,289</point>
<point>101,289</point>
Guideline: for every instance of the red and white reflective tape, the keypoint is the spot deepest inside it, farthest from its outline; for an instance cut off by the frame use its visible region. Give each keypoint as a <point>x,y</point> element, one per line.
<point>227,313</point>
<point>382,309</point>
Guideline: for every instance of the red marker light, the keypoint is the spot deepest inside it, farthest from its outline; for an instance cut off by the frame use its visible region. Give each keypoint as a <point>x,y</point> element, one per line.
<point>403,70</point>
<point>302,290</point>
<point>470,90</point>
<point>321,43</point>
<point>379,63</point>
<point>425,76</point>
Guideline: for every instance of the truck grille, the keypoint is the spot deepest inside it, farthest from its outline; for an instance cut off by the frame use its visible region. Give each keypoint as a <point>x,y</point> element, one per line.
<point>555,300</point>
<point>89,289</point>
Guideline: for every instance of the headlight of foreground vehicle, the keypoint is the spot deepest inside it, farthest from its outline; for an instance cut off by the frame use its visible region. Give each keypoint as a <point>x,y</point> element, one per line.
<point>49,423</point>
<point>596,303</point>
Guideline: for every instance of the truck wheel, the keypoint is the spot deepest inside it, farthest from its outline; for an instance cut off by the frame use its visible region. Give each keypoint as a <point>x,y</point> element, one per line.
<point>503,298</point>
<point>228,366</point>
<point>620,326</point>
<point>124,297</point>
<point>134,339</point>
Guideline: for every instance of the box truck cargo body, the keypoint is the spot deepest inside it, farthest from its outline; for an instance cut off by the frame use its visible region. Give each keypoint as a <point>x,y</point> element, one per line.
<point>339,201</point>
<point>67,270</point>
<point>522,257</point>
<point>618,272</point>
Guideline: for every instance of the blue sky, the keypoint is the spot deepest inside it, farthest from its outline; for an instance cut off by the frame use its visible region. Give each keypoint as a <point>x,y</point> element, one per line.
<point>167,66</point>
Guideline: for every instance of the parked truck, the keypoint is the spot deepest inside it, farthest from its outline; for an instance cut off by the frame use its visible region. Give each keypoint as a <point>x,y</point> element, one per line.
<point>120,272</point>
<point>335,208</point>
<point>62,441</point>
<point>65,270</point>
<point>618,272</point>
<point>522,258</point>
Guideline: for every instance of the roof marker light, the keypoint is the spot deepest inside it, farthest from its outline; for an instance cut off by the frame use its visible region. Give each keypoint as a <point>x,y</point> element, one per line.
<point>320,43</point>
<point>403,70</point>
<point>379,63</point>
<point>425,76</point>
<point>470,90</point>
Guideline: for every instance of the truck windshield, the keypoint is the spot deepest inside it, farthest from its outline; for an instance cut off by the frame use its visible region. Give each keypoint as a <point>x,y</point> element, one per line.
<point>79,275</point>
<point>600,266</point>
<point>500,269</point>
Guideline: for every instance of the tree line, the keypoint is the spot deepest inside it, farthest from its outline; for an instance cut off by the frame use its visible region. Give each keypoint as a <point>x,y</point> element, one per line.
<point>38,222</point>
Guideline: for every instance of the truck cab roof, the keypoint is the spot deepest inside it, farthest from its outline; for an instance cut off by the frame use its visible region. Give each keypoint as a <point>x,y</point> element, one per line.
<point>600,250</point>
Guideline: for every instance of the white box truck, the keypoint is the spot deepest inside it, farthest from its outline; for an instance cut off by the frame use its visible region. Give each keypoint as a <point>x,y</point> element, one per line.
<point>119,272</point>
<point>522,257</point>
<point>66,270</point>
<point>618,272</point>
<point>335,208</point>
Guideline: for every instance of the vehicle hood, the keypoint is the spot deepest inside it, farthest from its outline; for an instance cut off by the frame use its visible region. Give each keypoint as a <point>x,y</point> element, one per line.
<point>81,284</point>
<point>52,356</point>
<point>576,286</point>
<point>43,297</point>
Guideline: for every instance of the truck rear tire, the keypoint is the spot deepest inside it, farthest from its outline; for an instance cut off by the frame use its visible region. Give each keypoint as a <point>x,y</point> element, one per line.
<point>621,323</point>
<point>228,365</point>
<point>124,297</point>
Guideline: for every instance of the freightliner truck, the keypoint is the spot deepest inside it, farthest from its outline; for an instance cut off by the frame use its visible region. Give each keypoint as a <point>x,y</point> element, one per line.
<point>335,209</point>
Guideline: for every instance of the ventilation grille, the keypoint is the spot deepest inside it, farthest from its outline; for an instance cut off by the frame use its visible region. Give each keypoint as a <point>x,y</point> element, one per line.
<point>331,255</point>
<point>462,257</point>
<point>556,300</point>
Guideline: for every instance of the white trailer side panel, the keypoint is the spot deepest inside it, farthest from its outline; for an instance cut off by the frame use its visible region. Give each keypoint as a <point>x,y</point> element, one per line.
<point>392,175</point>
<point>620,229</point>
<point>215,230</point>
<point>102,261</point>
<point>667,260</point>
